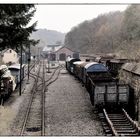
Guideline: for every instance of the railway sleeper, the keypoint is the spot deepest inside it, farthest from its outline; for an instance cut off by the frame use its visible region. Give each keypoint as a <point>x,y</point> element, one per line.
<point>120,121</point>
<point>109,134</point>
<point>104,124</point>
<point>107,131</point>
<point>117,117</point>
<point>122,125</point>
<point>122,128</point>
<point>127,131</point>
<point>127,134</point>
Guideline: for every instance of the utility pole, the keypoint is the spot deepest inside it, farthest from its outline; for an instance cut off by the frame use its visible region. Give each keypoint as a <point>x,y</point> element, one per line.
<point>48,62</point>
<point>0,81</point>
<point>34,62</point>
<point>20,70</point>
<point>29,59</point>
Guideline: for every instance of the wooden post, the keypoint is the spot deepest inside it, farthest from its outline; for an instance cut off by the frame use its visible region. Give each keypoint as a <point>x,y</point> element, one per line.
<point>20,70</point>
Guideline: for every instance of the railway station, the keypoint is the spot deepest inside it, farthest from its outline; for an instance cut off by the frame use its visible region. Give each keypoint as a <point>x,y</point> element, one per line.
<point>81,83</point>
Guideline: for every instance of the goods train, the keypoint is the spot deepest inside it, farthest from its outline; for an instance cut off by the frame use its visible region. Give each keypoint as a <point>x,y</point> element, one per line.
<point>7,83</point>
<point>103,89</point>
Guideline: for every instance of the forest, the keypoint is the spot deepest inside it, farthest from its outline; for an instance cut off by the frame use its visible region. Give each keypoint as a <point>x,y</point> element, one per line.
<point>114,32</point>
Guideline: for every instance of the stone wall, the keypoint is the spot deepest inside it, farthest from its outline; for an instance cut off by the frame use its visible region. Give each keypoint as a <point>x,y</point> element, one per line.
<point>134,81</point>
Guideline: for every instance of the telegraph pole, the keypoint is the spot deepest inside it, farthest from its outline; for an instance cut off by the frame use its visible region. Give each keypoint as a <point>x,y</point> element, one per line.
<point>20,70</point>
<point>29,57</point>
<point>48,62</point>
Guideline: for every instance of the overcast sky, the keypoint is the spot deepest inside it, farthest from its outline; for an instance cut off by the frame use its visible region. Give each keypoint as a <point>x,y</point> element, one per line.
<point>63,17</point>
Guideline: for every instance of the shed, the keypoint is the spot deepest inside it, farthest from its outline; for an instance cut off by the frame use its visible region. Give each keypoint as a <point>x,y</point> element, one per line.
<point>132,67</point>
<point>59,53</point>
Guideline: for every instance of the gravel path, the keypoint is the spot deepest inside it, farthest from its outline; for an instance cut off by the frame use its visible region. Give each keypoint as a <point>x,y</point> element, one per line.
<point>68,109</point>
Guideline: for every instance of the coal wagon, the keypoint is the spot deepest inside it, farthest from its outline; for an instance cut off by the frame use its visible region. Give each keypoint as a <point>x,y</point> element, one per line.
<point>69,64</point>
<point>109,94</point>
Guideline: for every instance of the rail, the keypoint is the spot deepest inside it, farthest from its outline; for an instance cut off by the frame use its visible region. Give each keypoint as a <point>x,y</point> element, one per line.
<point>110,123</point>
<point>135,125</point>
<point>29,106</point>
<point>118,123</point>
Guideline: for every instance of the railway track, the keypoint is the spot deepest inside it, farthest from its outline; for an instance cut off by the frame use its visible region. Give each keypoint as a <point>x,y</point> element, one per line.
<point>34,120</point>
<point>118,123</point>
<point>53,77</point>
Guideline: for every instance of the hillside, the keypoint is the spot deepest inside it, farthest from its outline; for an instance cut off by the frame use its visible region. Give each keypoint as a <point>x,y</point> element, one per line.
<point>114,32</point>
<point>48,37</point>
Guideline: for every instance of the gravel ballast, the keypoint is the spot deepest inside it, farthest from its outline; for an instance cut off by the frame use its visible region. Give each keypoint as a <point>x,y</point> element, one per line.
<point>68,109</point>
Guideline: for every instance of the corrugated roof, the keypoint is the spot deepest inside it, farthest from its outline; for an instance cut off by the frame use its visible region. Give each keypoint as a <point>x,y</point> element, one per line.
<point>132,67</point>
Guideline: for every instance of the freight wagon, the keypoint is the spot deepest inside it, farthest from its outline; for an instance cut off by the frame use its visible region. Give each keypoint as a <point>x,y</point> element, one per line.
<point>109,94</point>
<point>69,64</point>
<point>7,83</point>
<point>15,71</point>
<point>103,89</point>
<point>76,66</point>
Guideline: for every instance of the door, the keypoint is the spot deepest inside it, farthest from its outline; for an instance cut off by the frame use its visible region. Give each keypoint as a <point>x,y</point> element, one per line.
<point>62,57</point>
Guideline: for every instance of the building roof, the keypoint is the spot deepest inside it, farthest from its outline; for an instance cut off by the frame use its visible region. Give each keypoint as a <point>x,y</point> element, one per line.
<point>119,60</point>
<point>3,51</point>
<point>51,49</point>
<point>64,47</point>
<point>132,67</point>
